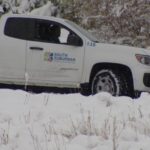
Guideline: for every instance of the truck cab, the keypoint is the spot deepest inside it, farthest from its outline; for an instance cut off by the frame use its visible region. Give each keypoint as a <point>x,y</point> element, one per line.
<point>47,49</point>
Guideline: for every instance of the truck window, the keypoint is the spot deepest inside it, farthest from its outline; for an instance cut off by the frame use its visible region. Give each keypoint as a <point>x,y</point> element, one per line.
<point>21,28</point>
<point>52,32</point>
<point>40,30</point>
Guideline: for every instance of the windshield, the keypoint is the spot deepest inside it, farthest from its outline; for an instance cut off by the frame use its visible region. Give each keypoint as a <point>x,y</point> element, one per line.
<point>83,31</point>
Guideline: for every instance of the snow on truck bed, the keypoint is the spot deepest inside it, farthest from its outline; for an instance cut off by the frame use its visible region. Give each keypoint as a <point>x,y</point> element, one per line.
<point>73,122</point>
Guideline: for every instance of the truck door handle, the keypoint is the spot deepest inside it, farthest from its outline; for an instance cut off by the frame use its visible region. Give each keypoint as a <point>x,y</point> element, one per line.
<point>36,48</point>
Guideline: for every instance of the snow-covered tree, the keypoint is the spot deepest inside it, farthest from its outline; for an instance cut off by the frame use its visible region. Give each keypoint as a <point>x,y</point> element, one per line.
<point>117,21</point>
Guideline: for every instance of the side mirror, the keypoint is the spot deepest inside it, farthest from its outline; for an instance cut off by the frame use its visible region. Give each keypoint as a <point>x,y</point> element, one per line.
<point>74,40</point>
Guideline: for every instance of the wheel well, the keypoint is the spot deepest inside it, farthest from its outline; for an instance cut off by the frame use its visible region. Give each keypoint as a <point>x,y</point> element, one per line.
<point>117,67</point>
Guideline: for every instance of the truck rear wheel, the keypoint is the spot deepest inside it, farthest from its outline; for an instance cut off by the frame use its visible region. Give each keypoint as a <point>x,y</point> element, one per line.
<point>111,81</point>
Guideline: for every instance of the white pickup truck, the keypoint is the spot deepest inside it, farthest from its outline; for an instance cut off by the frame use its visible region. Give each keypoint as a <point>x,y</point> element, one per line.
<point>54,52</point>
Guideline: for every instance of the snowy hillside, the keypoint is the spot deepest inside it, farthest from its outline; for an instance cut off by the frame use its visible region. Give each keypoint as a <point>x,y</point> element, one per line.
<point>73,122</point>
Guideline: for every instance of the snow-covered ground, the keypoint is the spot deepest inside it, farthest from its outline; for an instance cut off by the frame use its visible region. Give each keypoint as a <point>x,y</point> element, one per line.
<point>73,122</point>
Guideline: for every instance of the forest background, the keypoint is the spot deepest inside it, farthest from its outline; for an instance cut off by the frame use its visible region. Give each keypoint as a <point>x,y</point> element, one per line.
<point>125,22</point>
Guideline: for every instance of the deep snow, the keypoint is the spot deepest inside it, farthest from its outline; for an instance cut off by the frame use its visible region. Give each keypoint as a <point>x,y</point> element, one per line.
<point>50,121</point>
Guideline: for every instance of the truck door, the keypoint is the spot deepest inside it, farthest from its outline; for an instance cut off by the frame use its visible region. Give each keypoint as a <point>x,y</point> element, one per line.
<point>55,56</point>
<point>13,51</point>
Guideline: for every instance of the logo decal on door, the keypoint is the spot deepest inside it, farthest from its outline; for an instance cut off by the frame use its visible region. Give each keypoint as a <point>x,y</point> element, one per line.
<point>58,57</point>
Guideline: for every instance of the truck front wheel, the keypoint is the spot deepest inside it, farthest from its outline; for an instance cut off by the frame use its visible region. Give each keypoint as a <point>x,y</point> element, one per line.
<point>111,81</point>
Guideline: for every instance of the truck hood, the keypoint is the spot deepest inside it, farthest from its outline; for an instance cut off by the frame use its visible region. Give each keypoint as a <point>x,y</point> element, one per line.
<point>122,48</point>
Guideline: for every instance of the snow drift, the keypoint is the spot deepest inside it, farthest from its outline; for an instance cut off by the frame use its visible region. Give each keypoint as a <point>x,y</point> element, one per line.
<point>72,121</point>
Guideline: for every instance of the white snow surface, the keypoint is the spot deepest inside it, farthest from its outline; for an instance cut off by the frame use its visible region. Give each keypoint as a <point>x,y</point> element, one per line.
<point>46,10</point>
<point>50,121</point>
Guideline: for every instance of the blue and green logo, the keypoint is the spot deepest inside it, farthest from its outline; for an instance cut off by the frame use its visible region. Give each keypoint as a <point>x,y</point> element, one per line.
<point>58,57</point>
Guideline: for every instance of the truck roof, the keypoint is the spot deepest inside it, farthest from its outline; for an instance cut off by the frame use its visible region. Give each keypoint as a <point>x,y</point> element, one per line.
<point>34,16</point>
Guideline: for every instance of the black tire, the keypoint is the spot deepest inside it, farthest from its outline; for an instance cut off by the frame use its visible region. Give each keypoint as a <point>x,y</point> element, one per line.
<point>111,81</point>
<point>85,90</point>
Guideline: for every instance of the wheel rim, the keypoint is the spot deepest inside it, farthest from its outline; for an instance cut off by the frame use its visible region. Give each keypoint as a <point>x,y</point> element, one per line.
<point>105,82</point>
